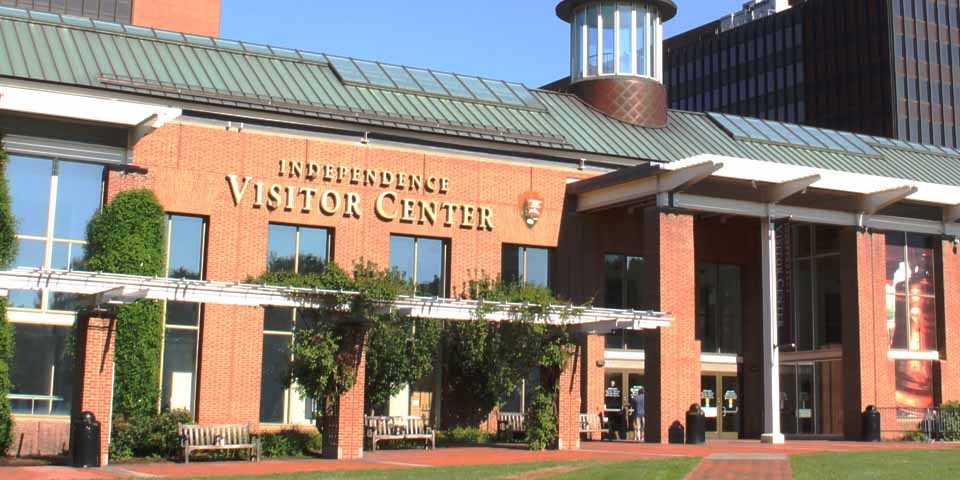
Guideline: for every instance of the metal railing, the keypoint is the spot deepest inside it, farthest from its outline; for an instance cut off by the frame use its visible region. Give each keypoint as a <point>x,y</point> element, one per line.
<point>935,424</point>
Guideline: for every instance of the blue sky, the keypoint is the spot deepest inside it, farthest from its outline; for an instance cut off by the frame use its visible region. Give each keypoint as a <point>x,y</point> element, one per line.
<point>520,40</point>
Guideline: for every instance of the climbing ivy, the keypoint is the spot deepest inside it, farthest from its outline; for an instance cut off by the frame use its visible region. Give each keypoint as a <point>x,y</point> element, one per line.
<point>8,251</point>
<point>486,361</point>
<point>127,236</point>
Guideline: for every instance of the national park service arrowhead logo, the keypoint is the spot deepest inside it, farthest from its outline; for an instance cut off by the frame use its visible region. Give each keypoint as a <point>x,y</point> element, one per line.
<point>531,207</point>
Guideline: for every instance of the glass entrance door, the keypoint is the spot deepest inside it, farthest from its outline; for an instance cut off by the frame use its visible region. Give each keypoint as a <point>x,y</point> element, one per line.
<point>720,401</point>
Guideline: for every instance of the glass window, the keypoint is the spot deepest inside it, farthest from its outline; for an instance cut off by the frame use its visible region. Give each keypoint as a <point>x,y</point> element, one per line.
<point>528,265</point>
<point>29,180</point>
<point>578,41</point>
<point>423,262</point>
<point>297,249</point>
<point>911,292</point>
<point>278,403</point>
<point>626,29</point>
<point>623,276</point>
<point>521,396</point>
<point>817,276</point>
<point>593,40</point>
<point>608,18</point>
<point>78,198</point>
<point>613,391</point>
<point>180,340</point>
<point>186,237</point>
<point>42,373</point>
<point>914,380</point>
<point>642,41</point>
<point>719,308</point>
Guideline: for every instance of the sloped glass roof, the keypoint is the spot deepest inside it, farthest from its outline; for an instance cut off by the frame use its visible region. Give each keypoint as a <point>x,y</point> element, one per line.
<point>744,128</point>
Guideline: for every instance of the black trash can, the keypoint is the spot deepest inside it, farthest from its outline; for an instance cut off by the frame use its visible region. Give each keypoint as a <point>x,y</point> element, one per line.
<point>871,425</point>
<point>85,431</point>
<point>696,425</point>
<point>675,432</point>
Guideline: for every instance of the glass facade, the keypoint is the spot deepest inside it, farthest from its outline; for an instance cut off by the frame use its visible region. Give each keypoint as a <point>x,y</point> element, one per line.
<point>623,276</point>
<point>719,308</point>
<point>423,262</point>
<point>52,203</point>
<point>522,396</point>
<point>280,404</point>
<point>615,38</point>
<point>811,397</point>
<point>816,281</point>
<point>528,265</point>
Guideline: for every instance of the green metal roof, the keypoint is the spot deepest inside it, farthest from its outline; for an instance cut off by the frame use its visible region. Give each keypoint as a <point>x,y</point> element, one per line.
<point>78,51</point>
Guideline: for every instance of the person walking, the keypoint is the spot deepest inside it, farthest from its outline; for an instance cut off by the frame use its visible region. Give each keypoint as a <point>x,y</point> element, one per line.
<point>638,404</point>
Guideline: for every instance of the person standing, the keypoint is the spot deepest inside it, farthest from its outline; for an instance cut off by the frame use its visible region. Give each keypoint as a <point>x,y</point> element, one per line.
<point>638,404</point>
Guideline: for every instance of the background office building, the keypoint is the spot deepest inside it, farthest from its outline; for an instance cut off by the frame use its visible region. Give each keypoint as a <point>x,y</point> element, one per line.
<point>808,272</point>
<point>879,67</point>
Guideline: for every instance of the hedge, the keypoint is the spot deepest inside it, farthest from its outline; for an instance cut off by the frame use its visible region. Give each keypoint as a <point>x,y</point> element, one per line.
<point>8,251</point>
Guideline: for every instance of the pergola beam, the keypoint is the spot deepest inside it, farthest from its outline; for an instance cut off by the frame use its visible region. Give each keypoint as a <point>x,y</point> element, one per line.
<point>113,289</point>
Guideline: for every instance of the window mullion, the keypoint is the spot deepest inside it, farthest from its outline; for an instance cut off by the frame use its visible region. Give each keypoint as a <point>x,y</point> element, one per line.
<point>296,251</point>
<point>416,262</point>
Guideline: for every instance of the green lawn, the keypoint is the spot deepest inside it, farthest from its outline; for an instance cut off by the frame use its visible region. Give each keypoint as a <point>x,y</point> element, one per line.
<point>892,465</point>
<point>671,469</point>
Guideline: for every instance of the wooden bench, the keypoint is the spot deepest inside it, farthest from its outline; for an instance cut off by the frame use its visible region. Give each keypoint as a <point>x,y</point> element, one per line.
<point>511,424</point>
<point>593,423</point>
<point>218,437</point>
<point>380,429</point>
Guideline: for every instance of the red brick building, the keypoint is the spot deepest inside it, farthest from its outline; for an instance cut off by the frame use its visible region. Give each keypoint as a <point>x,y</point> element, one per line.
<point>808,273</point>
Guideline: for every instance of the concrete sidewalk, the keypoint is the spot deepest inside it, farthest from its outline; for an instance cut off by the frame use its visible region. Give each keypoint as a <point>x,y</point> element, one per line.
<point>722,457</point>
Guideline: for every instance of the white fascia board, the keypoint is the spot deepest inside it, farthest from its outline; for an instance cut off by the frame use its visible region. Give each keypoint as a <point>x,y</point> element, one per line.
<point>847,182</point>
<point>91,108</point>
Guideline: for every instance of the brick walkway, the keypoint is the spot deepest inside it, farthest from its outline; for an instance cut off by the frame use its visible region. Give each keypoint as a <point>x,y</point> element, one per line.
<point>722,459</point>
<point>732,466</point>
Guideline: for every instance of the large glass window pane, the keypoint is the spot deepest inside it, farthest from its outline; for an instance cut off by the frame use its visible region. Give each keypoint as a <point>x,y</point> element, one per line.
<point>29,180</point>
<point>613,281</point>
<point>803,276</point>
<point>511,264</point>
<point>183,314</point>
<point>634,282</point>
<point>278,319</point>
<point>914,380</point>
<point>430,267</point>
<point>42,373</point>
<point>578,38</point>
<point>79,193</point>
<point>67,302</point>
<point>402,256</point>
<point>827,301</point>
<point>68,256</point>
<point>276,358</point>
<point>313,250</point>
<point>609,39</point>
<point>729,309</point>
<point>626,29</point>
<point>788,398</point>
<point>642,41</point>
<point>805,399</point>
<point>179,369</point>
<point>186,247</point>
<point>593,40</point>
<point>706,306</point>
<point>613,391</point>
<point>30,253</point>
<point>538,267</point>
<point>920,260</point>
<point>614,340</point>
<point>281,248</point>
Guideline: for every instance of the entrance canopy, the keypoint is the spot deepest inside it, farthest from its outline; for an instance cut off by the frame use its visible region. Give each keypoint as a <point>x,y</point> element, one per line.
<point>737,186</point>
<point>114,289</point>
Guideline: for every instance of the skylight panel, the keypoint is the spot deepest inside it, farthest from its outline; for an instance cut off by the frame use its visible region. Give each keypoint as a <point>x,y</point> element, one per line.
<point>525,96</point>
<point>427,81</point>
<point>503,92</point>
<point>453,85</point>
<point>478,89</point>
<point>402,78</point>
<point>374,73</point>
<point>346,69</point>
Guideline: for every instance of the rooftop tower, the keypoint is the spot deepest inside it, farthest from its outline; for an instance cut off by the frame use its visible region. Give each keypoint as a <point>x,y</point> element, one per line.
<point>616,56</point>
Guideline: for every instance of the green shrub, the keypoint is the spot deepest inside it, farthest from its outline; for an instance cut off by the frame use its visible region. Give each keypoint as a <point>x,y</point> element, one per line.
<point>541,419</point>
<point>127,236</point>
<point>147,436</point>
<point>290,443</point>
<point>463,436</point>
<point>915,437</point>
<point>8,251</point>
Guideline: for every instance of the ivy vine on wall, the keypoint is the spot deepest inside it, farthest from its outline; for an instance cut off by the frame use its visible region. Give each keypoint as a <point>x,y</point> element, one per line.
<point>8,251</point>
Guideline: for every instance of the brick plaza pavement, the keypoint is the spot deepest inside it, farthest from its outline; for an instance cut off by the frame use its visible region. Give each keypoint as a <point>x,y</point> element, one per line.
<point>722,459</point>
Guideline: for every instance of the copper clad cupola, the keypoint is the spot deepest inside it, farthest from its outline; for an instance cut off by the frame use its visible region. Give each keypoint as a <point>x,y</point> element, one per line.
<point>616,57</point>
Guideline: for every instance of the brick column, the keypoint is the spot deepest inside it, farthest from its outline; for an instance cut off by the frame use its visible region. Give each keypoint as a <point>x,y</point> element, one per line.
<point>867,372</point>
<point>93,375</point>
<point>568,402</point>
<point>343,426</point>
<point>591,397</point>
<point>672,353</point>
<point>949,339</point>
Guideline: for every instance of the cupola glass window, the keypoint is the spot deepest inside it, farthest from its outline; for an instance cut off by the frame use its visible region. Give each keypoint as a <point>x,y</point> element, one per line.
<point>615,38</point>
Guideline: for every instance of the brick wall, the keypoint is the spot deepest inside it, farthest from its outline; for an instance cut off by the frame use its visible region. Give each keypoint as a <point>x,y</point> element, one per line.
<point>39,437</point>
<point>93,383</point>
<point>591,396</point>
<point>200,17</point>
<point>568,401</point>
<point>343,430</point>
<point>949,315</point>
<point>672,354</point>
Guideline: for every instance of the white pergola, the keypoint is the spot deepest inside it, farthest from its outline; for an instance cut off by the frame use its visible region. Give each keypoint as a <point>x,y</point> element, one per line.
<point>113,289</point>
<point>773,191</point>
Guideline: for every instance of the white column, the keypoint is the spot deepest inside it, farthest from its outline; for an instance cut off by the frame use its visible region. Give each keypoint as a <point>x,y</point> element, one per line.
<point>771,354</point>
